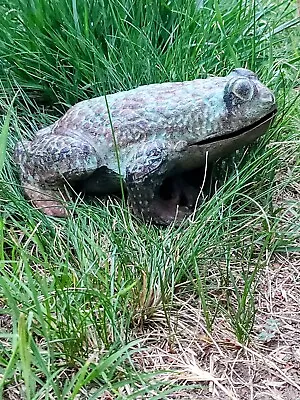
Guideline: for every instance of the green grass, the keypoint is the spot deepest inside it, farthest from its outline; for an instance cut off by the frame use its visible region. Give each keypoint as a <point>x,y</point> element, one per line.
<point>76,294</point>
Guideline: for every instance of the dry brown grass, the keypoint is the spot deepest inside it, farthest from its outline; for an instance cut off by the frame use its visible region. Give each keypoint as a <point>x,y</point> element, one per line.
<point>268,368</point>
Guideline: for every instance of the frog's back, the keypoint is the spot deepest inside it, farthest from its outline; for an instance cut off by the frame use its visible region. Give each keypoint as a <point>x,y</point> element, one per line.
<point>147,112</point>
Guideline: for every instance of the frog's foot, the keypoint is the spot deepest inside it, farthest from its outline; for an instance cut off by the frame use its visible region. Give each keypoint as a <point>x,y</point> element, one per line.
<point>172,202</point>
<point>47,200</point>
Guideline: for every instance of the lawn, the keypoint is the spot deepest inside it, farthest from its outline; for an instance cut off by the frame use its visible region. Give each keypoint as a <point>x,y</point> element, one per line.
<point>103,306</point>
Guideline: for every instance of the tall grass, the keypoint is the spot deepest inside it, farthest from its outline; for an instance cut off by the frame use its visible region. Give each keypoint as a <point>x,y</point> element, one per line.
<point>74,292</point>
<point>66,51</point>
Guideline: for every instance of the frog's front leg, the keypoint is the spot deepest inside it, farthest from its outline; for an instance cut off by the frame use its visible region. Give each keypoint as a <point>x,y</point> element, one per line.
<point>47,163</point>
<point>145,175</point>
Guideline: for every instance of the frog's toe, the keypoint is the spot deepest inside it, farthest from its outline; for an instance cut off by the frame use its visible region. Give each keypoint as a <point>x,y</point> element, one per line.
<point>51,208</point>
<point>48,201</point>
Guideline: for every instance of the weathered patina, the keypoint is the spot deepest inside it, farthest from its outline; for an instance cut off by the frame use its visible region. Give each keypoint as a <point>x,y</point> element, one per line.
<point>144,135</point>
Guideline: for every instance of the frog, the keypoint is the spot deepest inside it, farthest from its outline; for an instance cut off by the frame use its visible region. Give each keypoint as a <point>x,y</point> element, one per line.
<point>135,140</point>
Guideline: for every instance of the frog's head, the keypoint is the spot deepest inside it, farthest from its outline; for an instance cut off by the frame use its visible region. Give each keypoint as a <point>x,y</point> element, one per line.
<point>242,104</point>
<point>247,102</point>
<point>241,109</point>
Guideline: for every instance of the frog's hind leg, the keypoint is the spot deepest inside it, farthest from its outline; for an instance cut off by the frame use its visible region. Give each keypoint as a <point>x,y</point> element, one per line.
<point>50,161</point>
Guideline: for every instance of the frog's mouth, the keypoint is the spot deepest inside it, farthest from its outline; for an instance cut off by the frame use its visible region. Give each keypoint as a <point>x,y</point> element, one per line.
<point>249,133</point>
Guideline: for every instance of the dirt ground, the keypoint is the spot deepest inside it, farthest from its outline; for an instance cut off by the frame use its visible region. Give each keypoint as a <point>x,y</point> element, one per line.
<point>268,369</point>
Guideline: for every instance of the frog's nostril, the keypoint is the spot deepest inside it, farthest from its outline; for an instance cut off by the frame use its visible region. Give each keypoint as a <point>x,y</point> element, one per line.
<point>267,97</point>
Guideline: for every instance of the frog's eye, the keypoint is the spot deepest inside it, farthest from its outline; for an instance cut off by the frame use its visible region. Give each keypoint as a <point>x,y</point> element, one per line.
<point>243,89</point>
